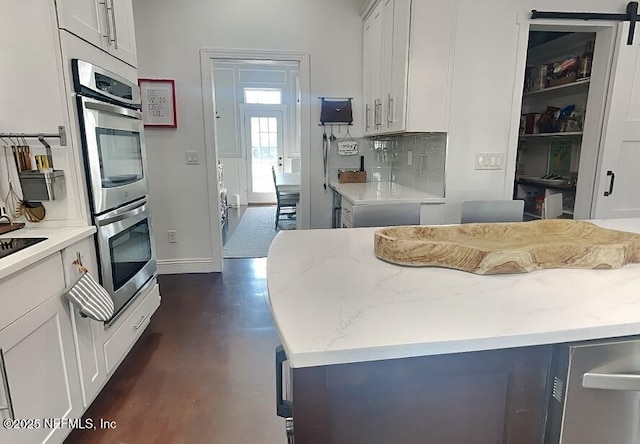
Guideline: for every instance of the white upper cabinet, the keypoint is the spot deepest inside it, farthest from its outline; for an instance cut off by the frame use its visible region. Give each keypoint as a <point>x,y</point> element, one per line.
<point>124,46</point>
<point>372,59</point>
<point>407,66</point>
<point>106,24</point>
<point>86,19</point>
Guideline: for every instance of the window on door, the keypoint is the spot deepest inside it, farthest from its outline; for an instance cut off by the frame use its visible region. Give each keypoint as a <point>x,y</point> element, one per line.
<point>263,96</point>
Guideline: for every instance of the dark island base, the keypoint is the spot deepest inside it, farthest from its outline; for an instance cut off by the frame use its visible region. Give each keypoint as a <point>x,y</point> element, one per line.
<point>496,396</point>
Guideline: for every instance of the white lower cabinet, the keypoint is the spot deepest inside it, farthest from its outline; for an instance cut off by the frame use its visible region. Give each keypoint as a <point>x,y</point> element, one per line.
<point>88,335</point>
<point>54,362</point>
<point>39,379</point>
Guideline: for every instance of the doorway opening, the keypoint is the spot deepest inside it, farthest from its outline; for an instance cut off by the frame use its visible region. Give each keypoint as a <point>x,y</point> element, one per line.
<point>568,71</point>
<point>256,111</point>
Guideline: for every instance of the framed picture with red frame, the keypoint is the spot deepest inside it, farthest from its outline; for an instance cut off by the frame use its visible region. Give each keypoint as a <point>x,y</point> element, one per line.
<point>158,98</point>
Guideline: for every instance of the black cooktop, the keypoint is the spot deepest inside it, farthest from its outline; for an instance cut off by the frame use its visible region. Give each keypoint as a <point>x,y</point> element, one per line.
<point>11,245</point>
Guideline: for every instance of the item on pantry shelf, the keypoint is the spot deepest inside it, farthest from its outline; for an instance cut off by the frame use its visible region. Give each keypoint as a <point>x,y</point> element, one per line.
<point>501,248</point>
<point>584,70</point>
<point>564,72</point>
<point>567,66</point>
<point>531,123</point>
<point>547,122</point>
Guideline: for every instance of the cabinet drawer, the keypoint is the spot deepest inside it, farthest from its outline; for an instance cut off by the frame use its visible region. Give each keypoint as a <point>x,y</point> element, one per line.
<point>25,290</point>
<point>130,329</point>
<point>346,210</point>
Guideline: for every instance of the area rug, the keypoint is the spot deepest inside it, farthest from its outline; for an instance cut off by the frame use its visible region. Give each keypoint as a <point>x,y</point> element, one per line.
<point>254,233</point>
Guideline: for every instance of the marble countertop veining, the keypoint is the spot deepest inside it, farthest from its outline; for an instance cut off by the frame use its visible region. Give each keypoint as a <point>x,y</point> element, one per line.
<point>382,192</point>
<point>57,239</point>
<point>334,302</point>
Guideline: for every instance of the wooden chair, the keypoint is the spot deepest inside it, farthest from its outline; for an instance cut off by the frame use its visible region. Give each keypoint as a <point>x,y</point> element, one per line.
<point>479,211</point>
<point>286,202</point>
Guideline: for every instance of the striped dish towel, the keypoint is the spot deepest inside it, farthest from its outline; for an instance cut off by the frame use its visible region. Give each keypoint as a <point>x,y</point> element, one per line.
<point>92,300</point>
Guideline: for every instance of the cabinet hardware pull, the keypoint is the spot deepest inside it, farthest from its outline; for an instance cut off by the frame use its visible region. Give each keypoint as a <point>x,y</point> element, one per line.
<point>378,113</point>
<point>367,115</point>
<point>139,324</point>
<point>106,16</point>
<point>613,177</point>
<point>284,407</point>
<point>5,386</point>
<point>113,19</point>
<point>375,114</point>
<point>389,108</point>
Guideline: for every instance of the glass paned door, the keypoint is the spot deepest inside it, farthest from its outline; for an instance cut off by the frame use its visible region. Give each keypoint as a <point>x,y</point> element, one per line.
<point>264,148</point>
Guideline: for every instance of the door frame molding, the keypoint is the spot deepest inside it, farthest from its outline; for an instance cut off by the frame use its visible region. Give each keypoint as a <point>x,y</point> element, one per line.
<point>207,57</point>
<point>589,164</point>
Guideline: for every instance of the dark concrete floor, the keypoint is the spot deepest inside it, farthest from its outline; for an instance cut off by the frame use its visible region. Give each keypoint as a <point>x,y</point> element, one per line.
<point>203,372</point>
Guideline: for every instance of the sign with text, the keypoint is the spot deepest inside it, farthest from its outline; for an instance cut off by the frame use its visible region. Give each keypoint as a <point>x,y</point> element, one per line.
<point>158,102</point>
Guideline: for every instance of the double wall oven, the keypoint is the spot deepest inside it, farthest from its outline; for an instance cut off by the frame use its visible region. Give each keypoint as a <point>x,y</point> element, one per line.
<point>115,163</point>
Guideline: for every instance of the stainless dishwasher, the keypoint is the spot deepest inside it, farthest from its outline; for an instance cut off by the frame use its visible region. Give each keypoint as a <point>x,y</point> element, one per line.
<point>595,393</point>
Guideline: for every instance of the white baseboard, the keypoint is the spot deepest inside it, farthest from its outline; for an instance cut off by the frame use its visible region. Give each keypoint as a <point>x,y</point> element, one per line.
<point>180,266</point>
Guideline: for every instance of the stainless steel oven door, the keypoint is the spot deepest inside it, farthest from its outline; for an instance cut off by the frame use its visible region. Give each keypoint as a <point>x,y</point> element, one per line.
<point>113,139</point>
<point>126,250</point>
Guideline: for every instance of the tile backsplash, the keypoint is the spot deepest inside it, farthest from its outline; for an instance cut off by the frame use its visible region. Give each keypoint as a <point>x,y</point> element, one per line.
<point>413,160</point>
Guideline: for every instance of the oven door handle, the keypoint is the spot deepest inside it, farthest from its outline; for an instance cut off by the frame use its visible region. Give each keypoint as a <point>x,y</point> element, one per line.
<point>612,381</point>
<point>118,217</point>
<point>114,109</point>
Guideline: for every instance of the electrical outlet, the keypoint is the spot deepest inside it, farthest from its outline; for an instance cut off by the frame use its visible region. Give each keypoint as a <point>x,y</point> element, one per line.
<point>489,161</point>
<point>172,236</point>
<point>191,157</point>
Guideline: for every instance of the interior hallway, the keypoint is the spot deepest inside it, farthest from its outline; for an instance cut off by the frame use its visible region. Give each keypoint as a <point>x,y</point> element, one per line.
<point>203,372</point>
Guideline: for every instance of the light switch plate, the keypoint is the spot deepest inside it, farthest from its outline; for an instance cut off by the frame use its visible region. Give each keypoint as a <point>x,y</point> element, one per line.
<point>489,161</point>
<point>191,157</point>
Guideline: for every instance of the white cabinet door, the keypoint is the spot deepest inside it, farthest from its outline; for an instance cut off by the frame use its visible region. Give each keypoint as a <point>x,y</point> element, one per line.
<point>376,74</point>
<point>88,335</point>
<point>107,24</point>
<point>40,372</point>
<point>123,44</point>
<point>397,96</point>
<point>618,182</point>
<point>86,19</point>
<point>372,59</point>
<point>386,63</point>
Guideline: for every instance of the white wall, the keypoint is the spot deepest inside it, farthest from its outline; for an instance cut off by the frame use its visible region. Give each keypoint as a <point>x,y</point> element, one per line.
<point>486,75</point>
<point>484,109</point>
<point>169,36</point>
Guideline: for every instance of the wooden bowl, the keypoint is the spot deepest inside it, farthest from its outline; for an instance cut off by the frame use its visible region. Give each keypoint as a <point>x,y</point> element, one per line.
<point>500,248</point>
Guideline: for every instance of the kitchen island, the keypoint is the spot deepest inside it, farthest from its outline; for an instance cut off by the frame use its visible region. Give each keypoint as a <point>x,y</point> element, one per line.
<point>395,347</point>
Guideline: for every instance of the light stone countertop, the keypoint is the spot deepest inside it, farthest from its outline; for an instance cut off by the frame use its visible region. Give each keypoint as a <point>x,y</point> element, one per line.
<point>57,240</point>
<point>334,302</point>
<point>382,192</point>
